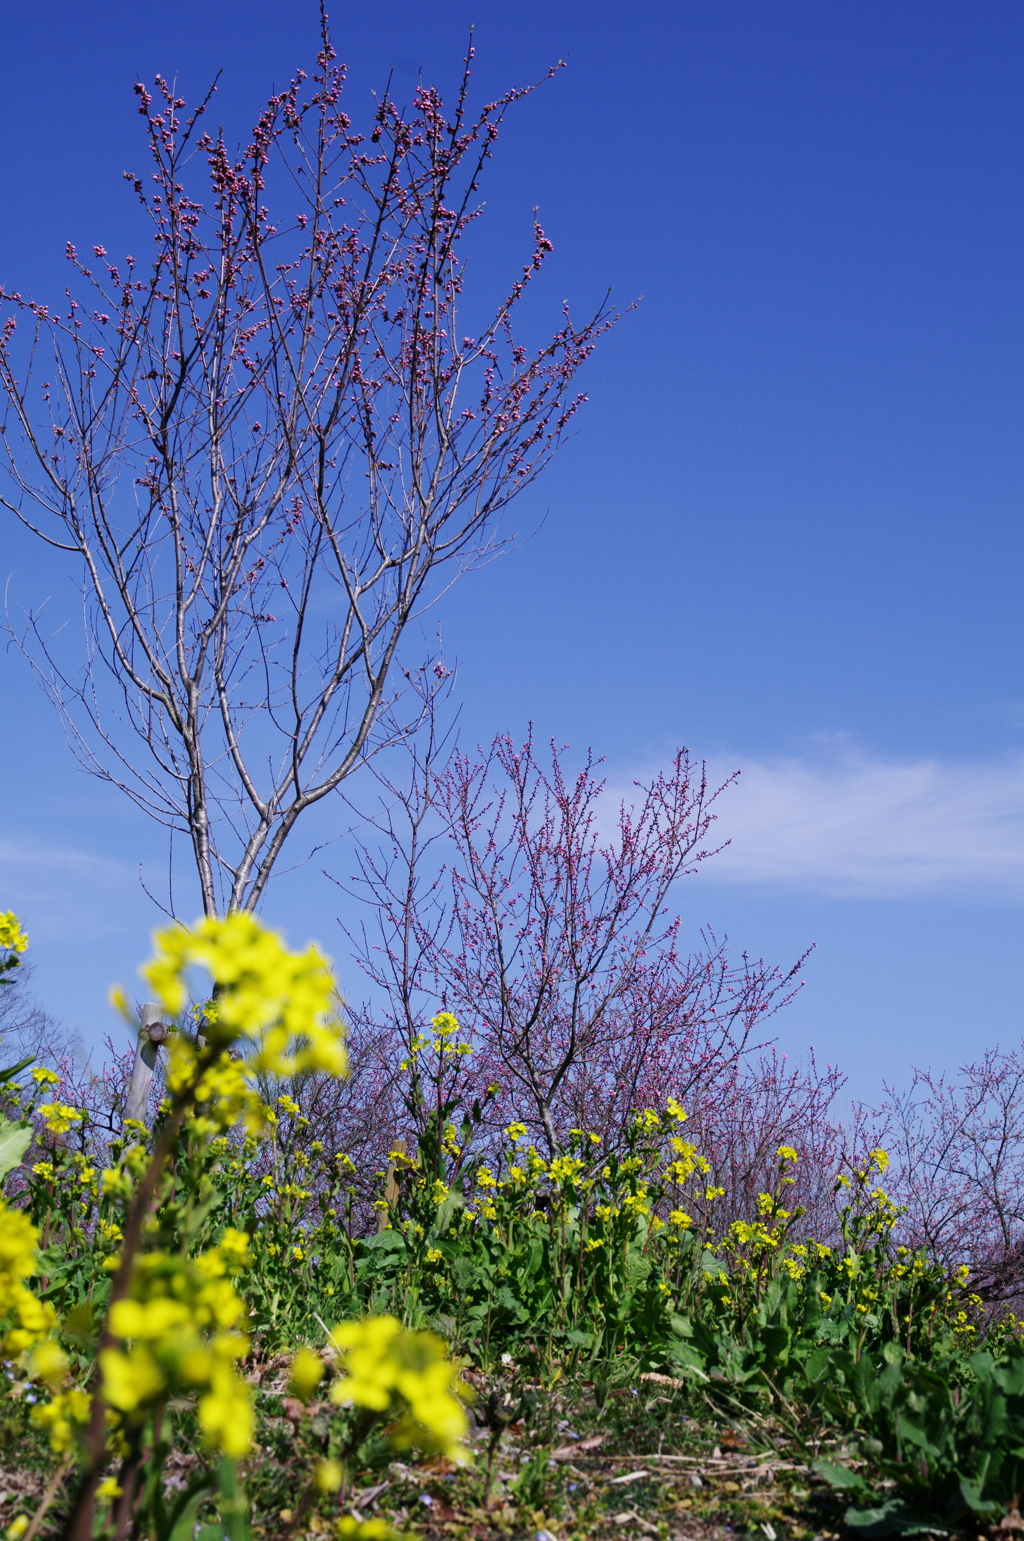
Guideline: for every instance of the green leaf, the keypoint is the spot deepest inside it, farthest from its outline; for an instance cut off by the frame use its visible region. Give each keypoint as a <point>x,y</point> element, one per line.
<point>181,1523</point>
<point>818,1364</point>
<point>971,1492</point>
<point>893,1518</point>
<point>839,1476</point>
<point>774,1343</point>
<point>13,1070</point>
<point>15,1140</point>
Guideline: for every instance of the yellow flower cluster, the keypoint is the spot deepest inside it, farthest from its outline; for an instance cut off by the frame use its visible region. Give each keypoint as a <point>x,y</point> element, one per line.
<point>221,1091</point>
<point>58,1117</point>
<point>757,1236</point>
<point>687,1160</point>
<point>31,1323</point>
<point>306,1374</point>
<point>280,999</point>
<point>12,937</point>
<point>384,1362</point>
<point>177,1326</point>
<point>63,1418</point>
<point>567,1169</point>
<point>29,1320</point>
<point>445,1028</point>
<point>350,1529</point>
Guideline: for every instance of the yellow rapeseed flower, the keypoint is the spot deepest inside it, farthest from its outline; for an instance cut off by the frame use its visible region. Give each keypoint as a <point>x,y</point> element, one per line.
<point>12,937</point>
<point>226,1414</point>
<point>281,999</point>
<point>383,1362</point>
<point>57,1117</point>
<point>348,1528</point>
<point>30,1320</point>
<point>49,1362</point>
<point>177,1331</point>
<point>327,1476</point>
<point>566,1169</point>
<point>63,1418</point>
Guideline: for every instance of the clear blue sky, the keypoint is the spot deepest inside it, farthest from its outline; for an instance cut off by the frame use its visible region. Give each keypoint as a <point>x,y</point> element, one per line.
<point>788,532</point>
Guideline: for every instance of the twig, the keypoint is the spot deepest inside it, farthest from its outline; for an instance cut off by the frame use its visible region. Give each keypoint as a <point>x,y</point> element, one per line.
<point>48,1497</point>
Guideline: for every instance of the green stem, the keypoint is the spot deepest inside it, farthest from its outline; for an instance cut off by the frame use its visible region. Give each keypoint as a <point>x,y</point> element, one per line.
<point>79,1524</point>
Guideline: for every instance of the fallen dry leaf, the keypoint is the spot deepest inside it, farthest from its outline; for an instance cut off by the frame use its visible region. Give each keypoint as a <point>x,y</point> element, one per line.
<point>655,1379</point>
<point>566,1452</point>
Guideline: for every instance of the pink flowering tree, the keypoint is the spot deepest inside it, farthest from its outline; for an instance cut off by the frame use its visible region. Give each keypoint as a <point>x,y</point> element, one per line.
<point>268,447</point>
<point>957,1145</point>
<point>516,896</point>
<point>746,1109</point>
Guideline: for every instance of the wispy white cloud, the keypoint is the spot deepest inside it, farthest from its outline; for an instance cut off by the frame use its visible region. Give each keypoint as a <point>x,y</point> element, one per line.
<point>61,890</point>
<point>42,858</point>
<point>855,825</point>
<point>87,919</point>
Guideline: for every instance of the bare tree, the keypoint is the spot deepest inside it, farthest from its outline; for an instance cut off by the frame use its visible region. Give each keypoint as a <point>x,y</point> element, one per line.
<point>270,450</point>
<point>27,1028</point>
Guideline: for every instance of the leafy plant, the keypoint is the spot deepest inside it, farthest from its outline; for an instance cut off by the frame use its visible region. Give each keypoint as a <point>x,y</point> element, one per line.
<point>950,1436</point>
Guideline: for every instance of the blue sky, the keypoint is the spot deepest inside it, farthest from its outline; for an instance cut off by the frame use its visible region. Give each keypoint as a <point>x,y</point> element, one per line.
<point>788,531</point>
